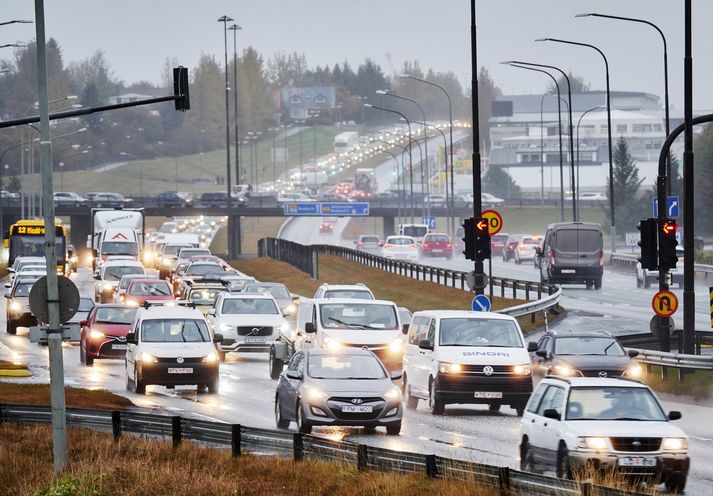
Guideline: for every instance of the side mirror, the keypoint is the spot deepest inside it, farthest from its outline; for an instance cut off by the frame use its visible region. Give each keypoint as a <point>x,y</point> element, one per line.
<point>532,347</point>
<point>131,338</point>
<point>8,295</point>
<point>83,323</point>
<point>217,338</point>
<point>551,413</point>
<point>293,374</point>
<point>211,312</point>
<point>404,328</point>
<point>674,415</point>
<point>8,285</point>
<point>633,353</point>
<point>310,328</point>
<point>96,276</point>
<point>425,344</point>
<point>541,353</point>
<point>396,375</point>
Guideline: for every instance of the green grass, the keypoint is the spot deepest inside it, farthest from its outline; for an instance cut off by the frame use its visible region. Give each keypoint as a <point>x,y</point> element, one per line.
<point>697,384</point>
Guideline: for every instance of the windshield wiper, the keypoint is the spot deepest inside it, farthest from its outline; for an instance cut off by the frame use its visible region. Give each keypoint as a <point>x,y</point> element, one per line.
<point>348,324</point>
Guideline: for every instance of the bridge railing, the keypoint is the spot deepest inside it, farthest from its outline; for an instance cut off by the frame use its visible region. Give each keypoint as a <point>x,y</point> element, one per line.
<point>628,261</point>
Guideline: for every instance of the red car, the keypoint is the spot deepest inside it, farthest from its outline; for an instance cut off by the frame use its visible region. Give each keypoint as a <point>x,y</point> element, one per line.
<point>497,243</point>
<point>141,290</point>
<point>326,228</point>
<point>103,334</point>
<point>436,245</point>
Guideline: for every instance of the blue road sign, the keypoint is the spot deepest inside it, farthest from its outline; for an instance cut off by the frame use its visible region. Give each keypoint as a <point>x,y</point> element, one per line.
<point>430,222</point>
<point>345,208</point>
<point>672,207</point>
<point>301,208</point>
<point>481,303</point>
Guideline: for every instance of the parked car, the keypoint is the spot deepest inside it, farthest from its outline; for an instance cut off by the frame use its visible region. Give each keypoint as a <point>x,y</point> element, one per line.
<point>68,198</point>
<point>591,197</point>
<point>110,200</point>
<point>508,250</point>
<point>103,332</point>
<point>174,199</point>
<point>400,248</point>
<point>436,245</point>
<point>490,201</point>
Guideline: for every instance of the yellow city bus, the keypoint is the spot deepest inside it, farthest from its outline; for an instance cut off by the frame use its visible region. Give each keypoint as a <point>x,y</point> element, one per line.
<point>26,238</point>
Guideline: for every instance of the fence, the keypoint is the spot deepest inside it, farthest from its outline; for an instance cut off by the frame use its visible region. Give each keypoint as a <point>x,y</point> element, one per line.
<point>243,440</point>
<point>546,296</point>
<point>627,262</point>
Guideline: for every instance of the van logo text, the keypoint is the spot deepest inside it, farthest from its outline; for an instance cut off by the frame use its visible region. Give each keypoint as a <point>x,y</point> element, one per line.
<point>486,353</point>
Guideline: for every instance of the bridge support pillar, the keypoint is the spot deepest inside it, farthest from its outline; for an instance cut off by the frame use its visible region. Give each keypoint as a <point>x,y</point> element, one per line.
<point>80,228</point>
<point>389,226</point>
<point>234,237</point>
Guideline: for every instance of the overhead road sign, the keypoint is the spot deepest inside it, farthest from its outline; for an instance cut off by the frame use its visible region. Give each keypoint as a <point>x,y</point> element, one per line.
<point>495,221</point>
<point>315,209</point>
<point>306,208</point>
<point>665,303</point>
<point>430,222</point>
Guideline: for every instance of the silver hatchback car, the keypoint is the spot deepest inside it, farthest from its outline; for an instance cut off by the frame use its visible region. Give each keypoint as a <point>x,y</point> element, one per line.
<point>350,387</point>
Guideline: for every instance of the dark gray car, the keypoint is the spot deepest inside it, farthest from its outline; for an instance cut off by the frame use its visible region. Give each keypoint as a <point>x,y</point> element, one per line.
<point>349,387</point>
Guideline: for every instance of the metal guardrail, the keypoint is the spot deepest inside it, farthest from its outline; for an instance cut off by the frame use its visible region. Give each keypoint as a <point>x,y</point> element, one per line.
<point>628,262</point>
<point>546,296</point>
<point>265,442</point>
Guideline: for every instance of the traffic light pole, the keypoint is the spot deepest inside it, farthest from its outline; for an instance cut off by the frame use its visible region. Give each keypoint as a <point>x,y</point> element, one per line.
<point>689,296</point>
<point>477,189</point>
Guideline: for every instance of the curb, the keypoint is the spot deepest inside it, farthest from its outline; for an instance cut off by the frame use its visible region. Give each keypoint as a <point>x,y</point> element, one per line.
<point>15,373</point>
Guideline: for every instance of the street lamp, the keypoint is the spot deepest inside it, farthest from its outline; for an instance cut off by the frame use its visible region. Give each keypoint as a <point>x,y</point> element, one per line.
<point>609,136</point>
<point>231,238</point>
<point>598,107</point>
<point>665,71</point>
<point>16,21</point>
<point>17,44</point>
<point>235,28</point>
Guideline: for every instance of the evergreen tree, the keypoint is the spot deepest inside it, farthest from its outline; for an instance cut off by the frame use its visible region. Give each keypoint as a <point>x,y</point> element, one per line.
<point>630,206</point>
<point>703,166</point>
<point>498,182</point>
<point>14,185</point>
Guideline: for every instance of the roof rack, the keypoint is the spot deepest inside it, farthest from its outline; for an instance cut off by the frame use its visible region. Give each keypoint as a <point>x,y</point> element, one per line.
<point>168,303</point>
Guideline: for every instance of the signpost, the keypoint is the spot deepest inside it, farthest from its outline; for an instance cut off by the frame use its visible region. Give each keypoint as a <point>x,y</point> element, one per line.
<point>315,209</point>
<point>664,303</point>
<point>631,239</point>
<point>672,207</point>
<point>481,303</point>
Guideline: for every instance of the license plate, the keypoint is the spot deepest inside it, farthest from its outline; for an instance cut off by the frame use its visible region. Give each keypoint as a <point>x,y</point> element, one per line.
<point>488,394</point>
<point>180,370</point>
<point>357,409</point>
<point>637,461</point>
<point>253,339</point>
<point>437,251</point>
<point>118,346</point>
<point>568,271</point>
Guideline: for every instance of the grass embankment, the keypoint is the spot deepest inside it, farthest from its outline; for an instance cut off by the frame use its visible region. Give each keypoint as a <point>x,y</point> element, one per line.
<point>39,394</point>
<point>697,384</point>
<point>252,229</point>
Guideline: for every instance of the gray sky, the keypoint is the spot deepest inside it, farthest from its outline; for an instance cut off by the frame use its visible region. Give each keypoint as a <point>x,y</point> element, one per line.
<point>137,35</point>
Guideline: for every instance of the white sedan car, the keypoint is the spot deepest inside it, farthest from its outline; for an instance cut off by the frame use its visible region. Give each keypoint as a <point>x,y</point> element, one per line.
<point>400,248</point>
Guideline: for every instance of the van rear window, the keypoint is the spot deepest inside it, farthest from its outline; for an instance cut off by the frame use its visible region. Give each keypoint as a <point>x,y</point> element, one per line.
<point>574,240</point>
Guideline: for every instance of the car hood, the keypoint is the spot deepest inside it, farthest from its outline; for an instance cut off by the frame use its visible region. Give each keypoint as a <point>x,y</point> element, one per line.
<point>112,329</point>
<point>347,387</point>
<point>486,355</point>
<point>250,320</point>
<point>174,350</point>
<point>594,362</point>
<point>364,337</point>
<point>624,428</point>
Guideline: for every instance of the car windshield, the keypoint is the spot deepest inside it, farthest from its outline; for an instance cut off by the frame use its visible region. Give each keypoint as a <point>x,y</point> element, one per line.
<point>588,346</point>
<point>345,367</point>
<point>405,316</point>
<point>174,331</point>
<point>400,241</point>
<point>189,253</point>
<point>358,316</point>
<point>115,272</point>
<point>23,289</point>
<point>204,269</point>
<point>277,292</point>
<point>530,241</point>
<point>246,306</point>
<point>119,248</point>
<point>369,239</point>
<point>115,315</point>
<point>172,249</point>
<point>355,294</point>
<point>415,231</point>
<point>489,333</point>
<point>158,288</point>
<point>237,285</point>
<point>577,240</point>
<point>204,296</point>
<point>613,403</point>
<point>498,238</point>
<point>85,305</point>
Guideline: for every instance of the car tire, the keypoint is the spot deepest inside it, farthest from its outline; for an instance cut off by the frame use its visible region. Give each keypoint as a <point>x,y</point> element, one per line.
<point>280,421</point>
<point>676,483</point>
<point>527,463</point>
<point>276,365</point>
<point>139,386</point>
<point>86,360</point>
<point>130,384</point>
<point>639,284</point>
<point>435,404</point>
<point>393,429</point>
<point>11,327</point>
<point>590,284</point>
<point>598,283</point>
<point>221,356</point>
<point>564,470</point>
<point>494,407</point>
<point>303,426</point>
<point>411,401</point>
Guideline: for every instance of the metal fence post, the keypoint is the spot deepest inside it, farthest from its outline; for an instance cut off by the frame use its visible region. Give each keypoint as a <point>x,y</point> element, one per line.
<point>176,433</point>
<point>504,480</point>
<point>116,424</point>
<point>298,447</point>
<point>431,466</point>
<point>315,266</point>
<point>586,488</point>
<point>362,457</point>
<point>236,439</point>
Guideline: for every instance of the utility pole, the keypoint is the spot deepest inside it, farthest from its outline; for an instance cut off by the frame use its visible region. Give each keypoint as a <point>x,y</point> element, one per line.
<point>477,187</point>
<point>689,295</point>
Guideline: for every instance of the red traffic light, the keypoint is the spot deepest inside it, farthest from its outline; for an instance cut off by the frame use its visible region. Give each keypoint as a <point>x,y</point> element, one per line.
<point>482,225</point>
<point>669,227</point>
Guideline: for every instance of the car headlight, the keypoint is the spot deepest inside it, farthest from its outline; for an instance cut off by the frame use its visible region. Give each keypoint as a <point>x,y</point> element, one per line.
<point>331,344</point>
<point>132,303</point>
<point>393,394</point>
<point>450,368</point>
<point>594,443</point>
<point>108,287</point>
<point>16,306</point>
<point>635,371</point>
<point>396,346</point>
<point>314,394</point>
<point>94,334</point>
<point>225,327</point>
<point>148,358</point>
<point>674,444</point>
<point>291,308</point>
<point>284,328</point>
<point>211,357</point>
<point>525,369</point>
<point>565,371</point>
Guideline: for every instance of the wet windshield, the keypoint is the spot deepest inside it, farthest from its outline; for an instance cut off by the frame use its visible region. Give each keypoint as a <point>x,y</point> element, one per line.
<point>119,248</point>
<point>400,241</point>
<point>115,315</point>
<point>204,296</point>
<point>344,367</point>
<point>277,292</point>
<point>588,346</point>
<point>174,331</point>
<point>115,272</point>
<point>249,306</point>
<point>613,403</point>
<point>358,316</point>
<point>415,231</point>
<point>479,332</point>
<point>150,289</point>
<point>348,293</point>
<point>23,289</point>
<point>204,269</point>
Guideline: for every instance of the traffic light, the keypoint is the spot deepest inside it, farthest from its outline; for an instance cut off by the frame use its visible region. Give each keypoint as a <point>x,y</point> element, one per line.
<point>667,244</point>
<point>648,244</point>
<point>469,238</point>
<point>482,240</point>
<point>180,88</point>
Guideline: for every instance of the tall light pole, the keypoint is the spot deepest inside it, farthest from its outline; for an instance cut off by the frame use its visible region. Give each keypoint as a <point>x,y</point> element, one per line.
<point>609,133</point>
<point>299,128</point>
<point>235,28</point>
<point>665,72</point>
<point>579,121</point>
<point>17,44</point>
<point>689,295</point>
<point>15,21</point>
<point>231,241</point>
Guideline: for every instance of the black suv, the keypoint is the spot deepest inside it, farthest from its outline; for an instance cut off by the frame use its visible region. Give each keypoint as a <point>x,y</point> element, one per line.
<point>173,199</point>
<point>220,199</point>
<point>583,354</point>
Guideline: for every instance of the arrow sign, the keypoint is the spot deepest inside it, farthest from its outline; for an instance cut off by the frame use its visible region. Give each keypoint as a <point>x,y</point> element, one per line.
<point>482,225</point>
<point>672,207</point>
<point>481,303</point>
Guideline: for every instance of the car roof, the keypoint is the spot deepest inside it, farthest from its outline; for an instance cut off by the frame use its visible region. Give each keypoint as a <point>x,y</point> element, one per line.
<point>579,334</point>
<point>358,286</point>
<point>358,301</point>
<point>259,283</point>
<point>345,351</point>
<point>462,314</point>
<point>204,262</point>
<point>123,263</point>
<point>148,279</point>
<point>169,312</point>
<point>245,296</point>
<point>207,286</point>
<point>597,382</point>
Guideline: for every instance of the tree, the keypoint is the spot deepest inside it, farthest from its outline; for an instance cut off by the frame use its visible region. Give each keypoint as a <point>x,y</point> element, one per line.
<point>630,206</point>
<point>487,91</point>
<point>14,185</point>
<point>498,182</point>
<point>579,85</point>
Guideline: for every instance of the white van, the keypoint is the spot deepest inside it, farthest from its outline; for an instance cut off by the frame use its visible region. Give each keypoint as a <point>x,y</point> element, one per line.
<point>454,356</point>
<point>415,231</point>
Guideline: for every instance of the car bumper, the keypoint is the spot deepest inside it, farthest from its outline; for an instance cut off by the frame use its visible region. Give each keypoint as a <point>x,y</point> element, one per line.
<point>666,465</point>
<point>496,390</point>
<point>579,274</point>
<point>329,413</point>
<point>238,344</point>
<point>105,349</point>
<point>164,373</point>
<point>25,319</point>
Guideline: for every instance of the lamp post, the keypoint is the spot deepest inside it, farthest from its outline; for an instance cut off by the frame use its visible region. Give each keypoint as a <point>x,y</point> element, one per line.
<point>598,107</point>
<point>232,249</point>
<point>299,129</point>
<point>17,44</point>
<point>559,113</point>
<point>609,135</point>
<point>665,71</point>
<point>15,21</point>
<point>235,28</point>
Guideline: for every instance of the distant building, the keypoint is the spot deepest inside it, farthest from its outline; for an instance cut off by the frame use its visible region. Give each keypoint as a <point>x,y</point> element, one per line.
<point>302,102</point>
<point>127,97</point>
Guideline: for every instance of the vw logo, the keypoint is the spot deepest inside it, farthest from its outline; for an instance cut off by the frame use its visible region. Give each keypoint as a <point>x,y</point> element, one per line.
<point>179,360</point>
<point>488,370</point>
<point>254,331</point>
<point>365,348</point>
<point>121,339</point>
<point>357,401</point>
<point>602,373</point>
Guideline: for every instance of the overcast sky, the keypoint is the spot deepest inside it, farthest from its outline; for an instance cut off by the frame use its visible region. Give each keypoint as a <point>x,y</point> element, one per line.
<point>137,35</point>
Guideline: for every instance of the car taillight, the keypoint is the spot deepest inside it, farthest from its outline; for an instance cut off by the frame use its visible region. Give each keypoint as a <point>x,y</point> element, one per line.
<point>601,258</point>
<point>425,245</point>
<point>552,260</point>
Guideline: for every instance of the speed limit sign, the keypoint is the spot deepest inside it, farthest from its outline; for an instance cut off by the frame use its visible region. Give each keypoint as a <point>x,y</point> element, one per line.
<point>495,221</point>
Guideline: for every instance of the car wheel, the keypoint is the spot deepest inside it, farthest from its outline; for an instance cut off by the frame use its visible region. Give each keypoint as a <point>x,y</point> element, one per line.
<point>139,386</point>
<point>598,283</point>
<point>590,284</point>
<point>411,401</point>
<point>214,385</point>
<point>494,407</point>
<point>564,470</point>
<point>303,426</point>
<point>280,421</point>
<point>435,404</point>
<point>86,359</point>
<point>676,483</point>
<point>11,327</point>
<point>527,464</point>
<point>393,429</point>
<point>130,383</point>
<point>276,365</point>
